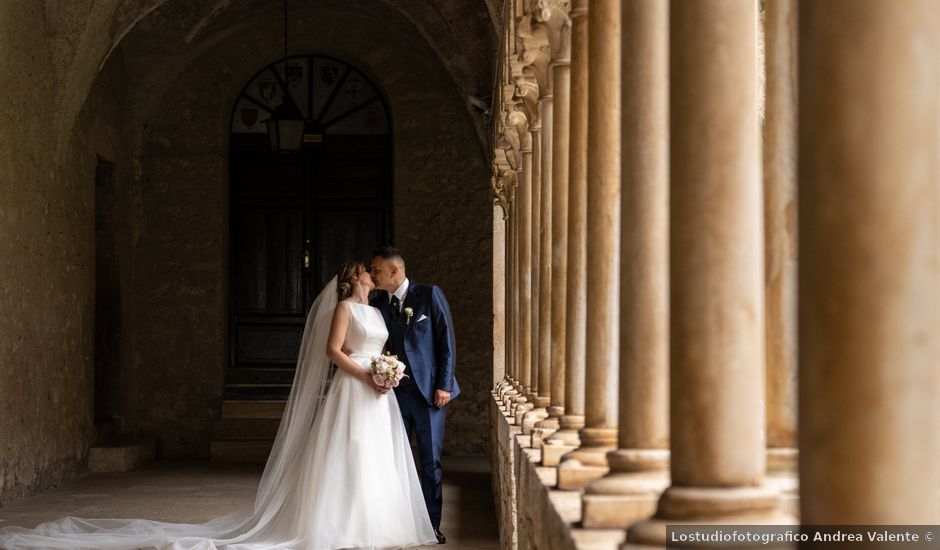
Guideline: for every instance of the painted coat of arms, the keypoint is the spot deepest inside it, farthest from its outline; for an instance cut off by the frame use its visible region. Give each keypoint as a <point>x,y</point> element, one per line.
<point>266,89</point>
<point>249,115</point>
<point>329,73</point>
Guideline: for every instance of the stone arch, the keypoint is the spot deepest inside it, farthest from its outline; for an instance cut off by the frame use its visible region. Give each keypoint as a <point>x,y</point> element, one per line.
<point>180,130</point>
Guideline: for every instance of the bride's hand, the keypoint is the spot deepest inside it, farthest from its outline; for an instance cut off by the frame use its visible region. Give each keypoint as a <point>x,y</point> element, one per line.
<point>367,379</point>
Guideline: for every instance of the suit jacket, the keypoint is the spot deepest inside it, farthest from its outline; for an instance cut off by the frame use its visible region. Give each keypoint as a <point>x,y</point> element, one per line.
<point>425,343</point>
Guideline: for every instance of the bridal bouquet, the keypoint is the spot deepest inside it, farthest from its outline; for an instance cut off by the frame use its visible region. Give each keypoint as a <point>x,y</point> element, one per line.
<point>387,370</point>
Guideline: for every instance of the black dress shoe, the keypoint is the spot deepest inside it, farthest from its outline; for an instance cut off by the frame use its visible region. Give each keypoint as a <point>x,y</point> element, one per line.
<point>441,539</point>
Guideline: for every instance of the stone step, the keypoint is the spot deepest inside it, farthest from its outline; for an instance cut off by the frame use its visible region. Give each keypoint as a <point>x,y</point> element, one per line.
<point>121,456</point>
<point>257,392</point>
<point>231,429</point>
<point>240,450</point>
<point>259,376</point>
<point>252,409</point>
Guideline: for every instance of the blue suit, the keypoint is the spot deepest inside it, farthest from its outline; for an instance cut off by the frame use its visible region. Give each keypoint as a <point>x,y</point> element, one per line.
<point>425,343</point>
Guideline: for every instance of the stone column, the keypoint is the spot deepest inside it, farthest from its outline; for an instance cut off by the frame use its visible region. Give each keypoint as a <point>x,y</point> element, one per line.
<point>544,266</point>
<point>499,293</point>
<point>639,468</point>
<point>599,435</point>
<point>716,275</point>
<point>561,78</point>
<point>513,296</point>
<point>566,438</point>
<point>869,292</point>
<point>524,205</point>
<point>780,231</point>
<point>538,402</point>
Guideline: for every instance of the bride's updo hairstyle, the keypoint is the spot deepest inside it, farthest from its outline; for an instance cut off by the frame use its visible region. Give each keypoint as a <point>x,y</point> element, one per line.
<point>346,277</point>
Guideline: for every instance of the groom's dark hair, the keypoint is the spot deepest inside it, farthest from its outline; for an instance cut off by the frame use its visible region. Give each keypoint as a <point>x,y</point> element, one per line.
<point>389,253</point>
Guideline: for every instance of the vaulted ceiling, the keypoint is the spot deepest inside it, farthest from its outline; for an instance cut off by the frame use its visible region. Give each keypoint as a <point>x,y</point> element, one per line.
<point>155,33</point>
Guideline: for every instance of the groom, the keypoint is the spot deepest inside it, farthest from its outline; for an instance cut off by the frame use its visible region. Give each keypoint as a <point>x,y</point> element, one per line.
<point>421,334</point>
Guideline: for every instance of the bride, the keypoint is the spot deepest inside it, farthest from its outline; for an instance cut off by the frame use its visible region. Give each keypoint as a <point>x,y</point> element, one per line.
<point>340,474</point>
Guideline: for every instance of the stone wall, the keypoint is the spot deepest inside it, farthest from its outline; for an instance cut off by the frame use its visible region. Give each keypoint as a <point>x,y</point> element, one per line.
<point>532,512</point>
<point>47,240</point>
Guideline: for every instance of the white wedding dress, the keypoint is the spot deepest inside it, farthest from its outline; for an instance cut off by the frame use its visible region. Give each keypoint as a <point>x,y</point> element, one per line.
<point>340,474</point>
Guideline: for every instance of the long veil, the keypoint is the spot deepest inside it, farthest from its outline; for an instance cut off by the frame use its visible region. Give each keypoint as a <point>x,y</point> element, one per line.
<point>272,523</point>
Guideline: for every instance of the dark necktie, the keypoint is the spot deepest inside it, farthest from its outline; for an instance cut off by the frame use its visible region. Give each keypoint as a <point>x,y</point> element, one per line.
<point>396,305</point>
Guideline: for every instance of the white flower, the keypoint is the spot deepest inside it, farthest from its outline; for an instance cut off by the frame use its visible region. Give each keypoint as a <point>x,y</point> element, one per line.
<point>409,313</point>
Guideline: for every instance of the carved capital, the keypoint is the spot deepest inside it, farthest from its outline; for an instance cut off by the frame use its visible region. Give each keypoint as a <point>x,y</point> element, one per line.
<point>526,93</point>
<point>520,122</point>
<point>512,136</point>
<point>552,17</point>
<point>535,51</point>
<point>503,184</point>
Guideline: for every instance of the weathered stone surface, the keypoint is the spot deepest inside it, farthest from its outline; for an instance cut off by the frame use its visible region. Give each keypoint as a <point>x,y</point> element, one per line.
<point>502,455</point>
<point>123,457</point>
<point>546,520</point>
<point>47,236</point>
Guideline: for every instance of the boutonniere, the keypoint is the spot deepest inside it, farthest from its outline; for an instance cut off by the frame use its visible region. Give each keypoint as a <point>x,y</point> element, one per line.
<point>408,314</point>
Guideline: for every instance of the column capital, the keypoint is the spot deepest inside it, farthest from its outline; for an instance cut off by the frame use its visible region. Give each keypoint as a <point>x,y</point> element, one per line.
<point>502,184</point>
<point>527,97</point>
<point>579,8</point>
<point>535,51</point>
<point>552,18</point>
<point>508,138</point>
<point>519,122</point>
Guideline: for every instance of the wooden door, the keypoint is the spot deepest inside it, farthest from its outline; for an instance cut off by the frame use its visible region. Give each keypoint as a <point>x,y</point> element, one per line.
<point>294,217</point>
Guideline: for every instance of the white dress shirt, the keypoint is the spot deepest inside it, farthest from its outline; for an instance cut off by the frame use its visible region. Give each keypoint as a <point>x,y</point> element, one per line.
<point>400,293</point>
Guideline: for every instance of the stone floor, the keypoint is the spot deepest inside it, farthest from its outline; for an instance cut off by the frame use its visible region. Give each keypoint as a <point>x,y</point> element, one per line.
<point>194,491</point>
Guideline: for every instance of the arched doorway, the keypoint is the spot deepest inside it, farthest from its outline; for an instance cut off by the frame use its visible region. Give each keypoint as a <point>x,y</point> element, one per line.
<point>296,216</point>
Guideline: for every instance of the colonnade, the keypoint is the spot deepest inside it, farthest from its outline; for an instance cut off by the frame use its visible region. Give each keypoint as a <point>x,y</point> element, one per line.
<point>656,323</point>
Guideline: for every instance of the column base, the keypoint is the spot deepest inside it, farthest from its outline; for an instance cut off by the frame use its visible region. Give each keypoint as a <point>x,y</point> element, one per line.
<point>582,466</point>
<point>574,476</point>
<point>509,400</point>
<point>532,417</point>
<point>782,459</point>
<point>563,441</point>
<point>502,390</point>
<point>541,402</point>
<point>554,449</point>
<point>544,428</point>
<point>758,505</point>
<point>520,410</point>
<point>629,492</point>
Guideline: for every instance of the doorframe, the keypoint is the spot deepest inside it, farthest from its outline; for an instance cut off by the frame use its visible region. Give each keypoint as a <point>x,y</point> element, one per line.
<point>388,152</point>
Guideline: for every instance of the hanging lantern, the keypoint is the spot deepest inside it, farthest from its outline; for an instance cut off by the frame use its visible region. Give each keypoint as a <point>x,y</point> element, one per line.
<point>286,127</point>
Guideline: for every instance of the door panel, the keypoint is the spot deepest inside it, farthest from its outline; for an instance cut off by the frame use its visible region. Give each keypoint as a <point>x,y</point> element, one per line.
<point>330,206</point>
<point>270,266</point>
<point>346,235</point>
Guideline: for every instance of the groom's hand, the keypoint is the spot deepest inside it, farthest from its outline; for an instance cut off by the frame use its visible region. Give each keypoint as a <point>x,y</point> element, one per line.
<point>441,398</point>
